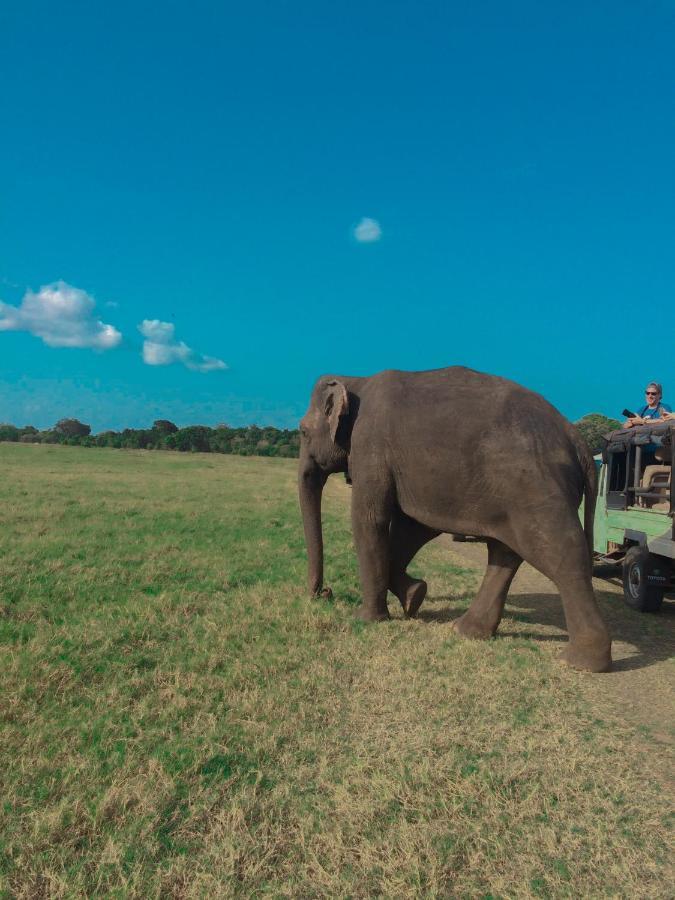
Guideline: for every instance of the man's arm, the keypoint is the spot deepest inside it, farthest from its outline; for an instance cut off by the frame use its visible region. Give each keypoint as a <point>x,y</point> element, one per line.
<point>633,420</point>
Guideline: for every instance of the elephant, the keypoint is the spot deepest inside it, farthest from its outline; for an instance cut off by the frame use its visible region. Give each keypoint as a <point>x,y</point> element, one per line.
<point>455,451</point>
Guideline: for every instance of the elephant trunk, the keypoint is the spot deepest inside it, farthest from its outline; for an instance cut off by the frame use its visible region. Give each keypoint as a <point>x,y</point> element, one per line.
<point>310,487</point>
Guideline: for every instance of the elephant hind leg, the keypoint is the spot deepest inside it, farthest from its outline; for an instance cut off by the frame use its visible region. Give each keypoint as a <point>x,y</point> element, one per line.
<point>406,538</point>
<point>482,618</point>
<point>567,562</point>
<point>590,647</point>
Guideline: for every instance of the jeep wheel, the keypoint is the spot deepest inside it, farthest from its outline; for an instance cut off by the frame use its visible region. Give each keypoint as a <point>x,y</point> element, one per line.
<point>638,593</point>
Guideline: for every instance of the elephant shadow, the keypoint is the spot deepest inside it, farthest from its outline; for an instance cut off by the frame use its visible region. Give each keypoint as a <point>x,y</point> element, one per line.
<point>539,617</point>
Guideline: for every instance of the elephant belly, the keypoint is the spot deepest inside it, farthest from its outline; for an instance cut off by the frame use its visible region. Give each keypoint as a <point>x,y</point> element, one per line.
<point>455,503</point>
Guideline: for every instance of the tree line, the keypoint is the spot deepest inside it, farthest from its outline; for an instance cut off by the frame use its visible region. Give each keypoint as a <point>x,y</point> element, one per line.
<point>165,435</point>
<point>249,441</point>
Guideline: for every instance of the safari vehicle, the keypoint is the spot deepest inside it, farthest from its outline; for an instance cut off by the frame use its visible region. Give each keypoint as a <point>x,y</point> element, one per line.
<point>634,512</point>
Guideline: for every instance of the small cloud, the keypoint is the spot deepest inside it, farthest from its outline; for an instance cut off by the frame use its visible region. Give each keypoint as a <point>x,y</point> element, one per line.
<point>61,316</point>
<point>368,231</point>
<point>112,304</point>
<point>160,348</point>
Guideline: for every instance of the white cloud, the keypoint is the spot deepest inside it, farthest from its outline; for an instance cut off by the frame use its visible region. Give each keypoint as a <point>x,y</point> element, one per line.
<point>160,348</point>
<point>60,315</point>
<point>368,231</point>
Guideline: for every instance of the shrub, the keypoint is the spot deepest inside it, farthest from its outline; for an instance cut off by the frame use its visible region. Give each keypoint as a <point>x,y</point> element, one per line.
<point>593,427</point>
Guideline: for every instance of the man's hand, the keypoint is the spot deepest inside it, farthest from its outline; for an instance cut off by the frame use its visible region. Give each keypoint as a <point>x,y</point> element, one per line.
<point>635,420</point>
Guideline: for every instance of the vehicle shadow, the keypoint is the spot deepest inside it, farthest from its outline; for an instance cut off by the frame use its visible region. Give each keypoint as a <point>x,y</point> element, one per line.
<point>650,636</point>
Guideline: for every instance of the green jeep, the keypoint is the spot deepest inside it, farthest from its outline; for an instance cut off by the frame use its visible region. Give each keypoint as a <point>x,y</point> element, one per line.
<point>634,512</point>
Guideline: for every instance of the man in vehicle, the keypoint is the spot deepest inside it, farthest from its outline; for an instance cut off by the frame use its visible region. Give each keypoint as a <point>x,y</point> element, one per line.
<point>652,409</point>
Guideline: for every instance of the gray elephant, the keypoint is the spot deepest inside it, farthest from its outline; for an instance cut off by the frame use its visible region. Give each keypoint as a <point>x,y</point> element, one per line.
<point>455,451</point>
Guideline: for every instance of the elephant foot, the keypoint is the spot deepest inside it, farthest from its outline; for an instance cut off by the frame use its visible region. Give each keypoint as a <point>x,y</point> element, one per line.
<point>410,592</point>
<point>367,614</point>
<point>595,656</point>
<point>469,627</point>
<point>414,597</point>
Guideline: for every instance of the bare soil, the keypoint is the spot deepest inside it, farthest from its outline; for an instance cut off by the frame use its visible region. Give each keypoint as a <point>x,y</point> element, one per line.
<point>641,687</point>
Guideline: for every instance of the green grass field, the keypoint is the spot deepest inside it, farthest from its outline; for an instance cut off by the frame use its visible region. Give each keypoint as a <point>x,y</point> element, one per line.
<point>178,719</point>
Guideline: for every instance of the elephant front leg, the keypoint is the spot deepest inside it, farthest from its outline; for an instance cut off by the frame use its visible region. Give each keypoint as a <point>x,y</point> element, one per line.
<point>371,518</point>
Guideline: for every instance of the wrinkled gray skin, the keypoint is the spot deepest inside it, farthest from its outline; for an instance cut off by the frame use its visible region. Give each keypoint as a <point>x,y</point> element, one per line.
<point>455,451</point>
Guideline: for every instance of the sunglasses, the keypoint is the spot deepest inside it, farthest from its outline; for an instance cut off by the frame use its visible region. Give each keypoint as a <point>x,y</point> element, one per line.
<point>652,393</point>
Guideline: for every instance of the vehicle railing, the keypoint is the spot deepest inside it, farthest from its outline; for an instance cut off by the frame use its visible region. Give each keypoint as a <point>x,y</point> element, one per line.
<point>649,494</point>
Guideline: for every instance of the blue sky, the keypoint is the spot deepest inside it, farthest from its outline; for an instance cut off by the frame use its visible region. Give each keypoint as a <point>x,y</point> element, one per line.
<point>205,165</point>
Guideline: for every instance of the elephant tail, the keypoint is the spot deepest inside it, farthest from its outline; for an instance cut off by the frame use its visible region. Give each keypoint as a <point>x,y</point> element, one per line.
<point>590,489</point>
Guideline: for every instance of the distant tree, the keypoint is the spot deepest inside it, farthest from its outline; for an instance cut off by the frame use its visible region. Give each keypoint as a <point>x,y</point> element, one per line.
<point>70,428</point>
<point>593,427</point>
<point>252,435</point>
<point>220,440</point>
<point>195,438</point>
<point>238,444</point>
<point>29,439</point>
<point>109,439</point>
<point>136,439</point>
<point>164,426</point>
<point>8,432</point>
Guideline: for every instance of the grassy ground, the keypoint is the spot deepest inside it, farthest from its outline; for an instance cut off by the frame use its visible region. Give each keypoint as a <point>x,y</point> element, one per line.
<point>178,719</point>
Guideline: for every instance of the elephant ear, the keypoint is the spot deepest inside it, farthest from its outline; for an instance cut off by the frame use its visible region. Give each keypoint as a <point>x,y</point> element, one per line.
<point>336,405</point>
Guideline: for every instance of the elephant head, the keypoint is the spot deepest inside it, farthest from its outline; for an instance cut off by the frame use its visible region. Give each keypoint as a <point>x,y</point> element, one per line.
<point>323,450</point>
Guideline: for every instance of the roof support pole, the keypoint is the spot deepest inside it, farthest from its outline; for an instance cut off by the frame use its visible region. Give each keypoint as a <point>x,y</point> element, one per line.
<point>636,472</point>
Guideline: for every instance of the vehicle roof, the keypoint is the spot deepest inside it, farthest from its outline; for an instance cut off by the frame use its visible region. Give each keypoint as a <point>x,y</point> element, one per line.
<point>659,433</point>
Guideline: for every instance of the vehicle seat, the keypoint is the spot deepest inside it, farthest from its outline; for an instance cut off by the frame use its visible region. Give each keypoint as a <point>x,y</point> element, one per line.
<point>656,480</point>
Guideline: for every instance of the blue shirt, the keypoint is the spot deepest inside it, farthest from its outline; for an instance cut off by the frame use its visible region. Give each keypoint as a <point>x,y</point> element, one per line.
<point>648,413</point>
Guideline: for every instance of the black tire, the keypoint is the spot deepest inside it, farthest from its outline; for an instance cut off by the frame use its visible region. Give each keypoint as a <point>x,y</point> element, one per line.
<point>639,594</point>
